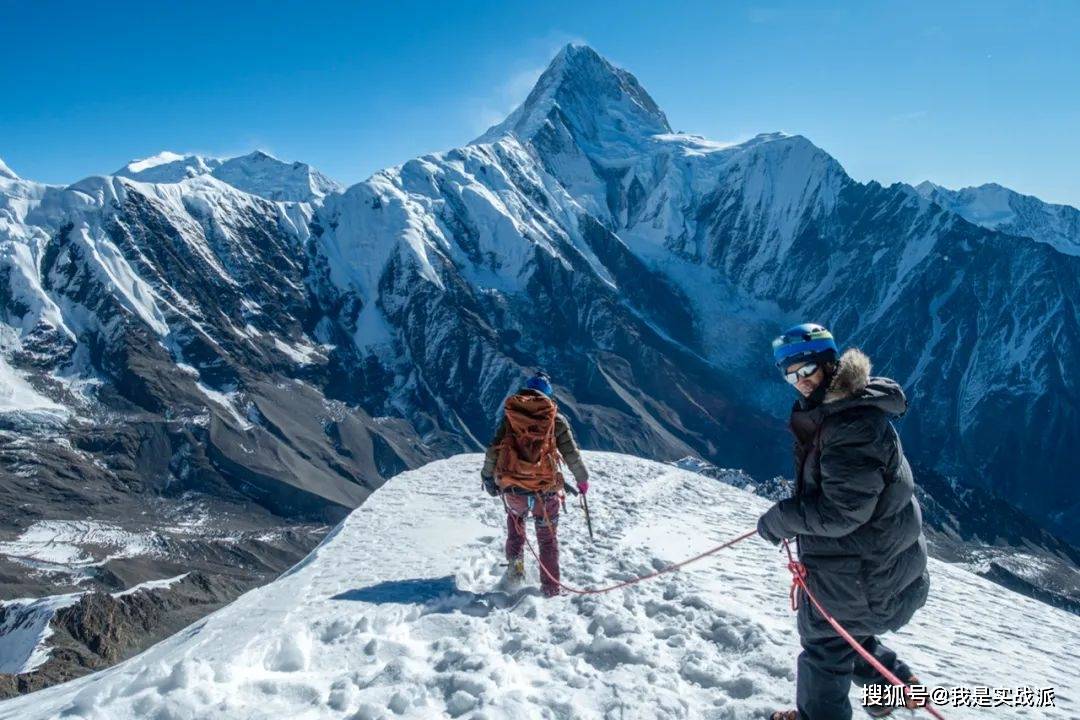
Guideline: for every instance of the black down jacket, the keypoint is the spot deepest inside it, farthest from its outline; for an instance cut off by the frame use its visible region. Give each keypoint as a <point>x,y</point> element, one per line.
<point>858,524</point>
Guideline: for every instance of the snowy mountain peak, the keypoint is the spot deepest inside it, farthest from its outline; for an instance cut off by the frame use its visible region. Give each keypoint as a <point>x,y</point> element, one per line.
<point>997,207</point>
<point>592,97</point>
<point>162,158</point>
<point>260,173</point>
<point>782,142</point>
<point>168,167</point>
<point>6,172</point>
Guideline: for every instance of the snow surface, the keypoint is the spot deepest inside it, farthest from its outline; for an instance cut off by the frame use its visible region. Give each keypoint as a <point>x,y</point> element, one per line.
<point>262,174</point>
<point>6,172</point>
<point>71,542</point>
<point>257,173</point>
<point>18,395</point>
<point>226,400</point>
<point>168,167</point>
<point>161,584</point>
<point>26,629</point>
<point>402,612</point>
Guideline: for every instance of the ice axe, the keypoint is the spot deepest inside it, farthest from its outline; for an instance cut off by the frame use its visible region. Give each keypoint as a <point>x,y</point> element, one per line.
<point>585,507</point>
<point>588,518</point>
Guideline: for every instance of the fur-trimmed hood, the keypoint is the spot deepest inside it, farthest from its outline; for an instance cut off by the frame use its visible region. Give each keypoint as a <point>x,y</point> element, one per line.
<point>852,384</point>
<point>851,376</point>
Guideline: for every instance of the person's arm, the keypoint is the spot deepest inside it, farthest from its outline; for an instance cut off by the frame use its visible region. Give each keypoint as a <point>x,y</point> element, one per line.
<point>491,460</point>
<point>491,455</point>
<point>852,479</point>
<point>568,448</point>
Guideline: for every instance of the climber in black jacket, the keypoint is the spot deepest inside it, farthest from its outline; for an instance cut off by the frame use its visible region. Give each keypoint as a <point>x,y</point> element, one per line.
<point>858,524</point>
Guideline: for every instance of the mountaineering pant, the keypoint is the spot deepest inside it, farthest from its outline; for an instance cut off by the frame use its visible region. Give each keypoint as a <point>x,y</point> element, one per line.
<point>545,513</point>
<point>826,669</point>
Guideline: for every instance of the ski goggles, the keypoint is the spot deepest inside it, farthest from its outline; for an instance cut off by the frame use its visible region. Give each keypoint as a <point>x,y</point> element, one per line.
<point>804,372</point>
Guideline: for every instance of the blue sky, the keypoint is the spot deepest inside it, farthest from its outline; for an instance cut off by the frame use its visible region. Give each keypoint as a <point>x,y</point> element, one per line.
<point>959,93</point>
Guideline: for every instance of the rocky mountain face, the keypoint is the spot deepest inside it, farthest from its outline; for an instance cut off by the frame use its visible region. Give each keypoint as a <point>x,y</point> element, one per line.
<point>243,341</point>
<point>158,416</point>
<point>976,528</point>
<point>93,630</point>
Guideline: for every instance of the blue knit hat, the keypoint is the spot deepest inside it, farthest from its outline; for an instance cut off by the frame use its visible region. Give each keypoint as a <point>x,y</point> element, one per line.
<point>540,381</point>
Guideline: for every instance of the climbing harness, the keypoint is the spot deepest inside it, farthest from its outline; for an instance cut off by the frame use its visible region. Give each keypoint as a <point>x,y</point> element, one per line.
<point>798,582</point>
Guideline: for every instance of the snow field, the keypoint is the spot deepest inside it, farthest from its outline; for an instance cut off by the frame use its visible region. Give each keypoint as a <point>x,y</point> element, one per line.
<point>18,395</point>
<point>403,612</point>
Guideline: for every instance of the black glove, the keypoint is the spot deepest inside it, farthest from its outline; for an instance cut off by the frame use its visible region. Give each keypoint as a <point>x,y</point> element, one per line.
<point>765,532</point>
<point>489,485</point>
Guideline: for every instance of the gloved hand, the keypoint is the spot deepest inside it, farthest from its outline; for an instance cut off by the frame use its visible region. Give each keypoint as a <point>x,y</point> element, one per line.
<point>765,532</point>
<point>489,485</point>
<point>583,486</point>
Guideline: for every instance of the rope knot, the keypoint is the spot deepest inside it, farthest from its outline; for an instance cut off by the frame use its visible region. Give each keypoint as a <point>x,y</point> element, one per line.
<point>798,576</point>
<point>798,580</point>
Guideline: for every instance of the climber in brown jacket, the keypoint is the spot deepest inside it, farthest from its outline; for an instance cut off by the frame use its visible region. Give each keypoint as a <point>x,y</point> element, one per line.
<point>521,464</point>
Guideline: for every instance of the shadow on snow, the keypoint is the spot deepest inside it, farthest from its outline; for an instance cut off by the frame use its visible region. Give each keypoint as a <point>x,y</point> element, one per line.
<point>436,595</point>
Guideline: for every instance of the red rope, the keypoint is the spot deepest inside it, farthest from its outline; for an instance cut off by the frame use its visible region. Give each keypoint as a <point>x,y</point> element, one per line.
<point>617,586</point>
<point>798,580</point>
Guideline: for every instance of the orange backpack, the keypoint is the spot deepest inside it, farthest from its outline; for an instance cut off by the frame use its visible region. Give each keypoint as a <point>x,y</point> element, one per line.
<point>528,458</point>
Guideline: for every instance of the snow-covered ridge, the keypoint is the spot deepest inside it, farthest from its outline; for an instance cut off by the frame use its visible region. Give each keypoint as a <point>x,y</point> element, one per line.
<point>999,208</point>
<point>262,174</point>
<point>401,613</point>
<point>168,167</point>
<point>258,173</point>
<point>25,631</point>
<point>6,172</point>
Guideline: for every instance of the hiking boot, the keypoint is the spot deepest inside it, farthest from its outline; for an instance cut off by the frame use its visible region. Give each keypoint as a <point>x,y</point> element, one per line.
<point>785,715</point>
<point>550,591</point>
<point>515,568</point>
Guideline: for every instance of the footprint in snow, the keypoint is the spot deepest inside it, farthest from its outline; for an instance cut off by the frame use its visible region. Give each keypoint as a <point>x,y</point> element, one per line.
<point>289,653</point>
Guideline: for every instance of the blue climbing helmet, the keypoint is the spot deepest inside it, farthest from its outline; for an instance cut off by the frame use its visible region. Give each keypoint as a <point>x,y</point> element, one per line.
<point>540,381</point>
<point>804,343</point>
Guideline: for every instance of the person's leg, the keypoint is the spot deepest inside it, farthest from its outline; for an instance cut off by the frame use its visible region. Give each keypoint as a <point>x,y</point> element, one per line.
<point>823,679</point>
<point>866,674</point>
<point>517,507</point>
<point>546,513</point>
